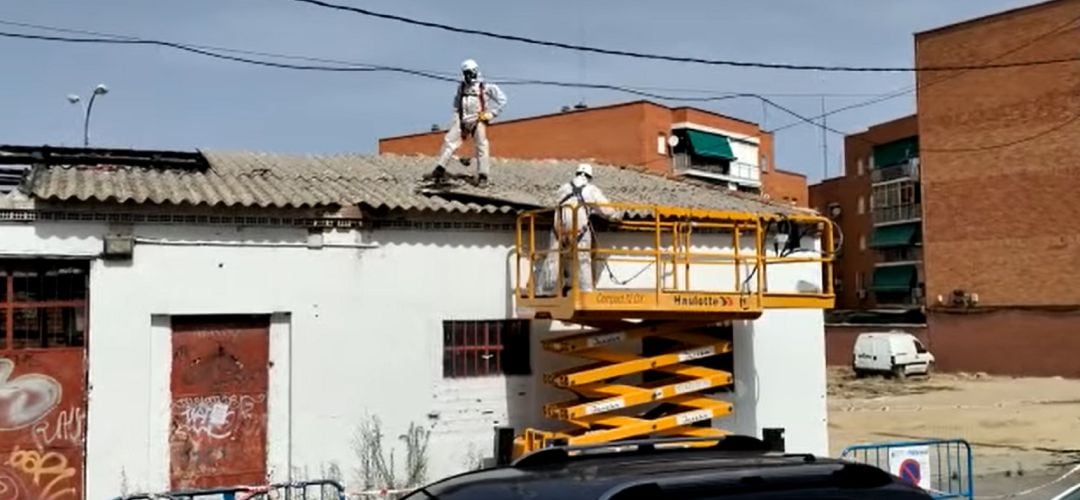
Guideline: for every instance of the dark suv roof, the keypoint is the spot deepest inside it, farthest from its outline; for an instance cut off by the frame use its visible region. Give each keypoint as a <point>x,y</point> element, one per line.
<point>736,470</point>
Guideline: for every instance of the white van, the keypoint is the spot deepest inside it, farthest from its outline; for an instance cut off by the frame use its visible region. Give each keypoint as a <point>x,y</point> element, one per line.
<point>895,352</point>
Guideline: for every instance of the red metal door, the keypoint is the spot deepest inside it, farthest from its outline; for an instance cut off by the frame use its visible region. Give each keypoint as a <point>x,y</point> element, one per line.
<point>219,382</point>
<point>42,379</point>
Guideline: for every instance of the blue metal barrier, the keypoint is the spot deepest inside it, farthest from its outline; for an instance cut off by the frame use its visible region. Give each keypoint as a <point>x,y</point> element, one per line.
<point>942,467</point>
<point>302,490</point>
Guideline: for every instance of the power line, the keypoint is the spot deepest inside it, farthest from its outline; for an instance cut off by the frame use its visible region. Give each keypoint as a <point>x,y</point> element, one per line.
<point>339,66</point>
<point>352,67</point>
<point>501,80</point>
<point>216,55</point>
<point>670,58</point>
<point>346,66</point>
<point>907,90</point>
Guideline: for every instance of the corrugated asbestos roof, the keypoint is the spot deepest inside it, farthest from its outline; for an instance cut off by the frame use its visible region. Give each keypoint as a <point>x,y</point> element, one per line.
<point>14,200</point>
<point>242,179</point>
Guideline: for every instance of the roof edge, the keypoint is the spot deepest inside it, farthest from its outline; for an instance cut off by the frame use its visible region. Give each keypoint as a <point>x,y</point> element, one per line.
<point>789,172</point>
<point>988,17</point>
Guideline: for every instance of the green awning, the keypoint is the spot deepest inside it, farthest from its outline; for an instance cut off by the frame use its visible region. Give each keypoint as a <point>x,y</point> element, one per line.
<point>900,235</point>
<point>710,145</point>
<point>894,278</point>
<point>896,152</point>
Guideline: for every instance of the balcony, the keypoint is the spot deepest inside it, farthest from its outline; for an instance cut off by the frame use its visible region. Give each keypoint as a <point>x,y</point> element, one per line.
<point>736,172</point>
<point>898,255</point>
<point>897,214</point>
<point>906,170</point>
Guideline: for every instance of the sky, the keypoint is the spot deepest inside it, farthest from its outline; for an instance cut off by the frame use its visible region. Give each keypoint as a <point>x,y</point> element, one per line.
<point>165,99</point>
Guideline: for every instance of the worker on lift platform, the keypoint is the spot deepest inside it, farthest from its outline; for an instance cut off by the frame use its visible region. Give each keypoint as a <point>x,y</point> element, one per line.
<point>476,103</point>
<point>567,232</point>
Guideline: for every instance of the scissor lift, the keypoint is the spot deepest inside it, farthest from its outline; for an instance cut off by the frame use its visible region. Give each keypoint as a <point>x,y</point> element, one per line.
<point>710,267</point>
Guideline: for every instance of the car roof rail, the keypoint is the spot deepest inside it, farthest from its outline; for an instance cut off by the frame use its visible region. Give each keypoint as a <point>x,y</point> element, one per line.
<point>561,454</point>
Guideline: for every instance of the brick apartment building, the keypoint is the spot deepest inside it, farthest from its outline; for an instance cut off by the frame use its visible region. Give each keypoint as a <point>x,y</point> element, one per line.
<point>876,203</point>
<point>707,146</point>
<point>995,174</point>
<point>1000,177</point>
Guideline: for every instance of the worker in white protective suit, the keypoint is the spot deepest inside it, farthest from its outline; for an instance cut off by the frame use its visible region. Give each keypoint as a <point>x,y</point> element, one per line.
<point>575,234</point>
<point>476,103</point>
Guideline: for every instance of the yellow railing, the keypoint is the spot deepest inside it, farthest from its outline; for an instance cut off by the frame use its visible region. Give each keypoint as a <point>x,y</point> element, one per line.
<point>746,238</point>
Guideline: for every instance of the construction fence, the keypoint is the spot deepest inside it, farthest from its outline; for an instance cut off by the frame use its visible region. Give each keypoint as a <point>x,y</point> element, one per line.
<point>942,467</point>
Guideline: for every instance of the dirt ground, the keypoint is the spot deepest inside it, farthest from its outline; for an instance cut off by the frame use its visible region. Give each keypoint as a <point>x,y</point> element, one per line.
<point>1023,431</point>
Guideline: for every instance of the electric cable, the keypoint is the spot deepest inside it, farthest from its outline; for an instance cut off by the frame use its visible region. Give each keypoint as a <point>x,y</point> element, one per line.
<point>669,58</point>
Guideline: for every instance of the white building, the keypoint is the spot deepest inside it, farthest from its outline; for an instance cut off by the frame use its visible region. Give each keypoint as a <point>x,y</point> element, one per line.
<point>178,319</point>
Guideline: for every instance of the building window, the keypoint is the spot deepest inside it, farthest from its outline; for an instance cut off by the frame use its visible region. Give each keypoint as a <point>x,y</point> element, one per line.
<point>764,163</point>
<point>862,242</point>
<point>861,167</point>
<point>661,144</point>
<point>898,254</point>
<point>896,201</point>
<point>862,205</point>
<point>485,348</point>
<point>42,304</point>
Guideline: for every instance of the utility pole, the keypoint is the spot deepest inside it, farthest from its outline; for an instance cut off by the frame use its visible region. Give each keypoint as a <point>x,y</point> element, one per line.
<point>824,139</point>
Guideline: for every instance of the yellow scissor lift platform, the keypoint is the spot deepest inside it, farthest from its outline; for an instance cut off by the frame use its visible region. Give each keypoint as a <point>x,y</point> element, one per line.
<point>709,267</point>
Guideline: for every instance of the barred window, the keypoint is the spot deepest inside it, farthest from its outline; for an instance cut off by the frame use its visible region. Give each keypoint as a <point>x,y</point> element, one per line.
<point>42,304</point>
<point>480,348</point>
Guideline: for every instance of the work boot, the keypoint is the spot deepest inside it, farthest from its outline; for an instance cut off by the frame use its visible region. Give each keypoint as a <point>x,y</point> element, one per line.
<point>438,174</point>
<point>482,180</point>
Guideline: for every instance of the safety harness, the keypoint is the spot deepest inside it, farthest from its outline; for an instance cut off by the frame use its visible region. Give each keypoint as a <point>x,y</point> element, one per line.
<point>467,131</point>
<point>579,193</point>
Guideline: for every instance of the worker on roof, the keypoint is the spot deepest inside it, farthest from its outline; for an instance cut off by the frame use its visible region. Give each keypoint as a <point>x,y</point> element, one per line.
<point>476,103</point>
<point>573,232</point>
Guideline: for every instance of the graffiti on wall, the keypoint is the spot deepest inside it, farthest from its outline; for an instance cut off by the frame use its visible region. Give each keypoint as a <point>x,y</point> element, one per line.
<point>219,384</point>
<point>215,416</point>
<point>43,443</point>
<point>25,399</point>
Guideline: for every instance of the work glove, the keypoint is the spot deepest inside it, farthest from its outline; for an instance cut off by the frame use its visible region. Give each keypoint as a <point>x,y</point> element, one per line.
<point>486,116</point>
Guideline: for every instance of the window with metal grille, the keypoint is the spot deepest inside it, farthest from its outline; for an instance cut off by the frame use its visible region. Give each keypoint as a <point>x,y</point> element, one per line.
<point>485,348</point>
<point>42,304</point>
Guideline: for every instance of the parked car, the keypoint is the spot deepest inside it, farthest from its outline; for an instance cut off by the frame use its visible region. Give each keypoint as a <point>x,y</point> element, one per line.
<point>735,468</point>
<point>896,352</point>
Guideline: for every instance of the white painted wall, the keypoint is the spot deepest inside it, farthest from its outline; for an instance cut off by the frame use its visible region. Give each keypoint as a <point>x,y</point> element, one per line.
<point>355,332</point>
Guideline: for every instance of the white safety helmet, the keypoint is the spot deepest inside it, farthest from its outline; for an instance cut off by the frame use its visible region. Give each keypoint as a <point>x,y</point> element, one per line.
<point>469,65</point>
<point>584,168</point>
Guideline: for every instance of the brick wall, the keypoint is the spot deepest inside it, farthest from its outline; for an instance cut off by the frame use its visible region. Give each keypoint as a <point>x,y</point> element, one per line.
<point>787,186</point>
<point>1002,221</point>
<point>852,192</point>
<point>852,259</point>
<point>609,135</point>
<point>1012,342</point>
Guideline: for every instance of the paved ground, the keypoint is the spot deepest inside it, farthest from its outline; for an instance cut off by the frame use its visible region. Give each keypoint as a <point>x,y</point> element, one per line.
<point>1024,431</point>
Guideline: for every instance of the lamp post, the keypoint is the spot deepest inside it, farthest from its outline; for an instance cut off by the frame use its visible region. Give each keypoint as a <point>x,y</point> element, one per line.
<point>73,98</point>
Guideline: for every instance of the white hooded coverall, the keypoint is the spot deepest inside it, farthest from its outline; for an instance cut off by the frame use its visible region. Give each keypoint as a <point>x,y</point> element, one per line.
<point>584,198</point>
<point>472,99</point>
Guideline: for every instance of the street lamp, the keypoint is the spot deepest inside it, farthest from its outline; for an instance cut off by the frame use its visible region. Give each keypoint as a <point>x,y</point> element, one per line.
<point>101,89</point>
